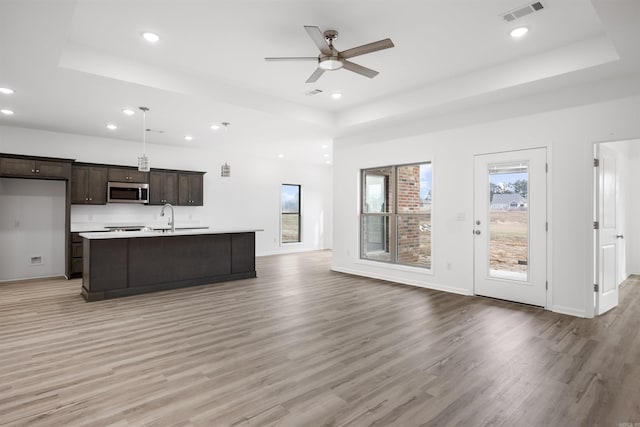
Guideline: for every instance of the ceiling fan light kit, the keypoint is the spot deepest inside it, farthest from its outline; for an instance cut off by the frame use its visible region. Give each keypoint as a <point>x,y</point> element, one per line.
<point>330,59</point>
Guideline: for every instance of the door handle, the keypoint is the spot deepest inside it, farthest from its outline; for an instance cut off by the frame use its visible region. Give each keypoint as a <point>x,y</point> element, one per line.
<point>619,236</point>
<point>476,232</point>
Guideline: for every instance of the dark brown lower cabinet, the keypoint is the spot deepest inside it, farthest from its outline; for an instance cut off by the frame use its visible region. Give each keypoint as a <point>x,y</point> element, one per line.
<point>76,255</point>
<point>116,267</point>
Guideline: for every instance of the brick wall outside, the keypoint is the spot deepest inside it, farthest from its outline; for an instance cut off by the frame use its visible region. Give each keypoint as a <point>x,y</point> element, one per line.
<point>409,203</point>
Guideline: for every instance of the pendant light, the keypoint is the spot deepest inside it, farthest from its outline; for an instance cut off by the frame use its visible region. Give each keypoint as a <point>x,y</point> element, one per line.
<point>143,161</point>
<point>225,170</point>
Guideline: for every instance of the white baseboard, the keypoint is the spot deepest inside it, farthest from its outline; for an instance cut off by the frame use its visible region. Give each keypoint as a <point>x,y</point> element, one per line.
<point>568,310</point>
<point>395,279</point>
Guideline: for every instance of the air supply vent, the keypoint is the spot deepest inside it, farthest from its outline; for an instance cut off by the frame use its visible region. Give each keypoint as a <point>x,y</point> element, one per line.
<point>313,92</point>
<point>522,11</point>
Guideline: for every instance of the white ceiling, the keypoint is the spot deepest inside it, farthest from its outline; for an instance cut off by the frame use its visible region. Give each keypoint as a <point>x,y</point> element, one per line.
<point>76,64</point>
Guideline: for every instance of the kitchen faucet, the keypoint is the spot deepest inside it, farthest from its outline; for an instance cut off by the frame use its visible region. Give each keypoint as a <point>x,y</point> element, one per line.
<point>172,221</point>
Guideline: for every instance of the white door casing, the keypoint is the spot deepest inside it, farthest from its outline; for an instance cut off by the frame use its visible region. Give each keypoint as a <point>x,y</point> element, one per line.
<point>510,235</point>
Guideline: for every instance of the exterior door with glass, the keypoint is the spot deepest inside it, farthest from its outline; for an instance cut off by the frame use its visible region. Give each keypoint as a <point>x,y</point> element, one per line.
<point>510,226</point>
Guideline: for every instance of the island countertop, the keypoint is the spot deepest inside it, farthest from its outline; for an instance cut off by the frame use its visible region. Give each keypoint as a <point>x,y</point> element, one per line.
<point>164,233</point>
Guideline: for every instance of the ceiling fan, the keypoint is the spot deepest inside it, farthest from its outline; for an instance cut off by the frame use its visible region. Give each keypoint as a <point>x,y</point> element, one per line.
<point>331,59</point>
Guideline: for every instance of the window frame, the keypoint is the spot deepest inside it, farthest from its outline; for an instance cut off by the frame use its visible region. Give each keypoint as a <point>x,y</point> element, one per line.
<point>298,212</point>
<point>392,213</point>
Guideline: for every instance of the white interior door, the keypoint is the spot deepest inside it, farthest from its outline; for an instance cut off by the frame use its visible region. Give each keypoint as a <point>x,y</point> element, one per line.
<point>510,226</point>
<point>607,233</point>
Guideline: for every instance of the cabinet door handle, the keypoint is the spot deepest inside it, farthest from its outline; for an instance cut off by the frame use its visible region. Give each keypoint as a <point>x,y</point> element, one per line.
<point>33,171</point>
<point>37,170</point>
<point>90,199</point>
<point>86,199</point>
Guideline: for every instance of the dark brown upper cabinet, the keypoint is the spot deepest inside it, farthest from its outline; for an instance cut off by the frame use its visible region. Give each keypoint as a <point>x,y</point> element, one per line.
<point>128,175</point>
<point>190,188</point>
<point>163,188</point>
<point>34,168</point>
<point>89,185</point>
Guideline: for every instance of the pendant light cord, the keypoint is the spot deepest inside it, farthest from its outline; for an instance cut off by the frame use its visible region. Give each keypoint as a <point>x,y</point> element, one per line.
<point>144,132</point>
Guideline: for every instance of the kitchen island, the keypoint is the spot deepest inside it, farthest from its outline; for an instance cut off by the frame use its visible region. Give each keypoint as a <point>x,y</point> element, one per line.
<point>129,263</point>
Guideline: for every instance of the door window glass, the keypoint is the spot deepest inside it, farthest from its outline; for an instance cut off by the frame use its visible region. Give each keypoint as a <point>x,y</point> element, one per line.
<point>509,221</point>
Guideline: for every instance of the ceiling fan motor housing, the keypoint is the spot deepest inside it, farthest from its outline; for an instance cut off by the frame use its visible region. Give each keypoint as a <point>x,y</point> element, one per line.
<point>330,35</point>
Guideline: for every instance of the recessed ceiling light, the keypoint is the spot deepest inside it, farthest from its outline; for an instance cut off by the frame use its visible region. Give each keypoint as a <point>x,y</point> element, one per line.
<point>111,126</point>
<point>325,155</point>
<point>519,32</point>
<point>325,146</point>
<point>328,162</point>
<point>6,90</point>
<point>151,37</point>
<point>215,127</point>
<point>128,112</point>
<point>6,112</point>
<point>336,95</point>
<point>280,156</point>
<point>188,137</point>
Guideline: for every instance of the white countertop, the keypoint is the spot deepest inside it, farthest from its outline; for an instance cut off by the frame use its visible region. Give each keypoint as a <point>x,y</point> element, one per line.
<point>191,232</point>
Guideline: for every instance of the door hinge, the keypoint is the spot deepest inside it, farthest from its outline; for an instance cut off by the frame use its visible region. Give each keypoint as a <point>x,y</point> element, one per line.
<point>546,167</point>
<point>596,288</point>
<point>596,225</point>
<point>546,226</point>
<point>596,163</point>
<point>546,285</point>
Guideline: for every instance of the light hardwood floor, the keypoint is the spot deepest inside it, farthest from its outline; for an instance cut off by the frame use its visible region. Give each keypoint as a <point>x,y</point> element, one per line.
<point>304,346</point>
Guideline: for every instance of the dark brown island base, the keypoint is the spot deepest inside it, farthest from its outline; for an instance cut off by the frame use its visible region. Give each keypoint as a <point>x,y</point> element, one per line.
<point>121,264</point>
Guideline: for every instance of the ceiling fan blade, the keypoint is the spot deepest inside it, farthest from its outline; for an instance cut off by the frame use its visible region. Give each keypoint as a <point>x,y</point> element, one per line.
<point>367,48</point>
<point>318,38</point>
<point>293,58</point>
<point>364,71</point>
<point>316,75</point>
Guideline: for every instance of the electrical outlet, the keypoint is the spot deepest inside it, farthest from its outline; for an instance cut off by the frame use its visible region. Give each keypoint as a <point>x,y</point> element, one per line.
<point>16,223</point>
<point>90,217</point>
<point>449,265</point>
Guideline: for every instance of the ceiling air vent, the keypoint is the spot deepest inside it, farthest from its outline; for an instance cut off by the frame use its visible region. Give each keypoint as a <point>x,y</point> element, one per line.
<point>522,11</point>
<point>313,92</point>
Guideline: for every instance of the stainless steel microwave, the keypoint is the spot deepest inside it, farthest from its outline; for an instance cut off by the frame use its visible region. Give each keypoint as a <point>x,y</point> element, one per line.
<point>127,192</point>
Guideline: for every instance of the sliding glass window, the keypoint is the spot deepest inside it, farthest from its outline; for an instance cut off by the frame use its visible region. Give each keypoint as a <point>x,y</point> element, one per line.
<point>290,213</point>
<point>396,215</point>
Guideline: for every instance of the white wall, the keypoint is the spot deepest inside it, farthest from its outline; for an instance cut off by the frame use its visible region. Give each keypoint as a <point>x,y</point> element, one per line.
<point>632,232</point>
<point>569,135</point>
<point>250,198</point>
<point>31,225</point>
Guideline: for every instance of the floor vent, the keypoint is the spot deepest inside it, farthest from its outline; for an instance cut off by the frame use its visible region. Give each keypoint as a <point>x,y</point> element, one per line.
<point>522,11</point>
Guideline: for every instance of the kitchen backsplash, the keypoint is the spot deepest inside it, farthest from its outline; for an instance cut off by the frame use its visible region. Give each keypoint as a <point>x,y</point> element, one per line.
<point>84,218</point>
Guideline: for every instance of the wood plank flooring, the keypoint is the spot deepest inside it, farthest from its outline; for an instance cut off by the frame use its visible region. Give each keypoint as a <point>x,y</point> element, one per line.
<point>304,346</point>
